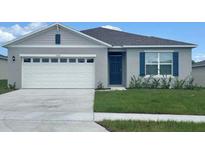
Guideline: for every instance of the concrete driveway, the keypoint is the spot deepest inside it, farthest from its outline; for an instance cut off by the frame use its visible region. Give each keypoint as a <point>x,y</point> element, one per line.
<point>48,110</point>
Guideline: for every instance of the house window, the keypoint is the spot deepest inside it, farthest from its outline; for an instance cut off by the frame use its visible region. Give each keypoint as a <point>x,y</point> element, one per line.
<point>36,60</point>
<point>90,60</point>
<point>158,63</point>
<point>27,60</point>
<point>81,60</point>
<point>45,60</point>
<point>54,60</point>
<point>63,60</point>
<point>58,38</point>
<point>72,60</point>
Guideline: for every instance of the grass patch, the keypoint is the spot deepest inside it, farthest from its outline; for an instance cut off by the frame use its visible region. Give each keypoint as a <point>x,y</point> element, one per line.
<point>3,87</point>
<point>152,126</point>
<point>160,101</point>
<point>3,84</point>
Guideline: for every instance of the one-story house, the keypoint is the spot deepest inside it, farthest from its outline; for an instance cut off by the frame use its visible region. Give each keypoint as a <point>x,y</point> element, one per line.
<point>3,67</point>
<point>58,56</point>
<point>198,73</point>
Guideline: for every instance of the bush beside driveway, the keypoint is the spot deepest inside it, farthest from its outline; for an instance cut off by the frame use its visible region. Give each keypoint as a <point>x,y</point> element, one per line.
<point>156,101</point>
<point>3,87</point>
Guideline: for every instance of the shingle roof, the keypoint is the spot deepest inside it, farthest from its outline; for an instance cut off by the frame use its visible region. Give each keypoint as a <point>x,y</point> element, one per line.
<point>3,57</point>
<point>199,64</point>
<point>119,38</point>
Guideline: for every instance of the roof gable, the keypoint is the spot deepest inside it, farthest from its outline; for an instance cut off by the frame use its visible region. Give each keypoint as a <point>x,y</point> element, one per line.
<point>119,38</point>
<point>46,36</point>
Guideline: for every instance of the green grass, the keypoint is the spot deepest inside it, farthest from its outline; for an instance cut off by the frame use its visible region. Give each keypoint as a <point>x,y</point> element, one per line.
<point>152,126</point>
<point>161,101</point>
<point>3,87</point>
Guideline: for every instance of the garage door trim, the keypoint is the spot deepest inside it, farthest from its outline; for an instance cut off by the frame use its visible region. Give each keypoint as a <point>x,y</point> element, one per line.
<point>90,82</point>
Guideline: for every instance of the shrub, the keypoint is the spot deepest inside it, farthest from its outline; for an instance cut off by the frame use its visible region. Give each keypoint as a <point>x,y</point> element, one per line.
<point>178,84</point>
<point>12,86</point>
<point>155,83</point>
<point>189,84</point>
<point>136,82</point>
<point>165,82</point>
<point>146,82</point>
<point>100,85</point>
<point>3,84</point>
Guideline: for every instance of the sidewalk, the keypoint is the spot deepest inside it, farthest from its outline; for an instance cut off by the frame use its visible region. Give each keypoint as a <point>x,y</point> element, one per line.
<point>99,116</point>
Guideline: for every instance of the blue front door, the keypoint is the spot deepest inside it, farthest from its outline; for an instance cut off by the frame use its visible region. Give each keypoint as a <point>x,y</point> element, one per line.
<point>115,69</point>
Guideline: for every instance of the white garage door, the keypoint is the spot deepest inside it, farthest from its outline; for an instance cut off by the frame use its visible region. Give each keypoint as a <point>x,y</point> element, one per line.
<point>44,72</point>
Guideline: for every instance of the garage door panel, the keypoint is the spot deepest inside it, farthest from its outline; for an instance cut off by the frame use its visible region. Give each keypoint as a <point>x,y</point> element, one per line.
<point>58,75</point>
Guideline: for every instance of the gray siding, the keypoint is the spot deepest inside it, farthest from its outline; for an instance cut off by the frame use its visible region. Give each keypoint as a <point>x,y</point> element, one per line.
<point>68,37</point>
<point>3,69</point>
<point>132,64</point>
<point>198,74</point>
<point>48,38</point>
<point>101,70</point>
<point>101,63</point>
<point>185,62</point>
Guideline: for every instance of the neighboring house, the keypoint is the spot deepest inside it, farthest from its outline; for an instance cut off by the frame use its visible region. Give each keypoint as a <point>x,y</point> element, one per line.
<point>3,67</point>
<point>198,73</point>
<point>61,57</point>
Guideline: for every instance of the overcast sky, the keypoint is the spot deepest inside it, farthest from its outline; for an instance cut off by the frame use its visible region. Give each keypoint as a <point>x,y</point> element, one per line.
<point>188,32</point>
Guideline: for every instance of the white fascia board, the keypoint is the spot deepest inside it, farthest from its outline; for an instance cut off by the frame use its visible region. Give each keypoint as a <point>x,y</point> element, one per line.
<point>59,55</point>
<point>160,46</point>
<point>52,25</point>
<point>38,55</point>
<point>156,46</point>
<point>57,46</point>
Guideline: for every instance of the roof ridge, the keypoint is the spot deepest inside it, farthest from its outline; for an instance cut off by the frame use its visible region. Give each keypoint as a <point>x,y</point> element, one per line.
<point>117,31</point>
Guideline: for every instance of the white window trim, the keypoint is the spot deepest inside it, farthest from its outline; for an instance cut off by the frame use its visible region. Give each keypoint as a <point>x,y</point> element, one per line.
<point>158,63</point>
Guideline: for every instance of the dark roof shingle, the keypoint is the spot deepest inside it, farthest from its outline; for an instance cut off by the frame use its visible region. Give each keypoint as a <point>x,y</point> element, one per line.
<point>199,64</point>
<point>119,38</point>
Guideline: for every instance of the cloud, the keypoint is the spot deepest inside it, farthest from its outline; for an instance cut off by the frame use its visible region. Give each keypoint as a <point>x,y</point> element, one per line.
<point>199,57</point>
<point>9,33</point>
<point>112,27</point>
<point>5,36</point>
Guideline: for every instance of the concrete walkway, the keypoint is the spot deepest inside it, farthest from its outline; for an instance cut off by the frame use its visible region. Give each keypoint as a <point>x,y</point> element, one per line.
<point>47,104</point>
<point>48,110</point>
<point>49,126</point>
<point>155,117</point>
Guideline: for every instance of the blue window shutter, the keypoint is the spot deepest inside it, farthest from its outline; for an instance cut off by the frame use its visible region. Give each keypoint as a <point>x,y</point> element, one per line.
<point>175,64</point>
<point>142,63</point>
<point>58,39</point>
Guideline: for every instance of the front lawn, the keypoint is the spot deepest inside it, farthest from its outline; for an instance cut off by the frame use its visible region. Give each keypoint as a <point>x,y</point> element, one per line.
<point>3,87</point>
<point>152,126</point>
<point>161,101</point>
